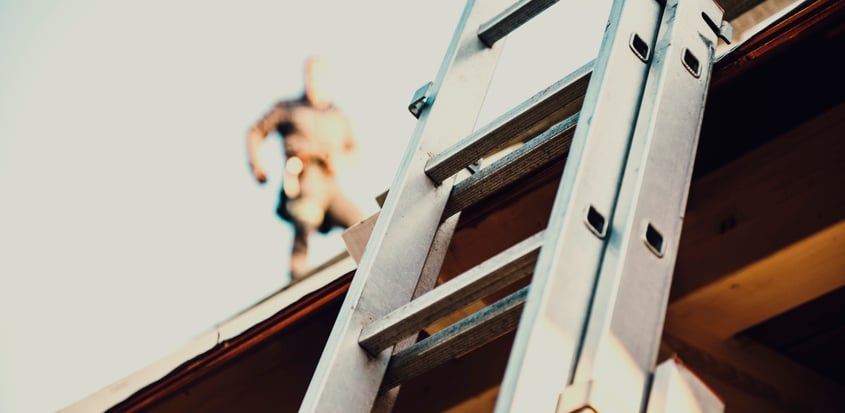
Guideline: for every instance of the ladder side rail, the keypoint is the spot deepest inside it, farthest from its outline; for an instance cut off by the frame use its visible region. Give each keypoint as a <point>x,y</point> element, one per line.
<point>626,321</point>
<point>549,335</point>
<point>347,377</point>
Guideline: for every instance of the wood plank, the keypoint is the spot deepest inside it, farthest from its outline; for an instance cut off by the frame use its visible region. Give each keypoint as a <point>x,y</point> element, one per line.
<point>795,275</point>
<point>355,237</point>
<point>786,190</point>
<point>804,322</point>
<point>484,402</point>
<point>760,236</point>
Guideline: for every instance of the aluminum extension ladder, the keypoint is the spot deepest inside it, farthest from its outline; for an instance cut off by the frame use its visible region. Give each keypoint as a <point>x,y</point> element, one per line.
<point>589,324</point>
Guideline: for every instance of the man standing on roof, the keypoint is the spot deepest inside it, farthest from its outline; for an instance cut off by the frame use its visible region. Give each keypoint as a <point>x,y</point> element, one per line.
<point>319,143</point>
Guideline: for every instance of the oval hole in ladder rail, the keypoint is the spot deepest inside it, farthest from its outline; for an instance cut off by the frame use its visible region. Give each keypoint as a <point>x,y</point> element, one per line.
<point>639,47</point>
<point>691,63</point>
<point>654,240</point>
<point>595,222</point>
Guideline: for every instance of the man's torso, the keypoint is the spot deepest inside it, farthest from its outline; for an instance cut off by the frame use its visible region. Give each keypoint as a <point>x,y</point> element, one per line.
<point>312,132</point>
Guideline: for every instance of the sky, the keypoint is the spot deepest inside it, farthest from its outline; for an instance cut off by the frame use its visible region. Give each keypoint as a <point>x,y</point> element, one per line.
<point>129,220</point>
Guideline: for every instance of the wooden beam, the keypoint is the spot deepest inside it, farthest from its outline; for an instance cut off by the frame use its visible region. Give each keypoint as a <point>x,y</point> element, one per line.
<point>484,402</point>
<point>751,377</point>
<point>797,274</point>
<point>760,235</point>
<point>355,237</point>
<point>785,190</point>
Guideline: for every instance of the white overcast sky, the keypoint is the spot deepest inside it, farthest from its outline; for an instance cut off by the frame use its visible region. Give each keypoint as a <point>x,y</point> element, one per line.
<point>129,221</point>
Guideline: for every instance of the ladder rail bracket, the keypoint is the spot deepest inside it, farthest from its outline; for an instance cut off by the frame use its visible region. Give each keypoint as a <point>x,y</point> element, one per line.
<point>420,99</point>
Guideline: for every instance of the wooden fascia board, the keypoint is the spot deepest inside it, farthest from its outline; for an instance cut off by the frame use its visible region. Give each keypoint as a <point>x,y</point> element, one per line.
<point>228,351</point>
<point>800,22</point>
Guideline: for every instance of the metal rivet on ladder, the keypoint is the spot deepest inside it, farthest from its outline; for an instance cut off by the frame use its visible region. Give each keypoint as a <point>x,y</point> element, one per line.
<point>474,167</point>
<point>595,222</point>
<point>653,240</point>
<point>691,63</point>
<point>639,47</point>
<point>420,99</point>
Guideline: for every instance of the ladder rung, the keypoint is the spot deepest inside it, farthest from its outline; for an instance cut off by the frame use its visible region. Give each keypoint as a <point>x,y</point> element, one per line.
<point>484,279</point>
<point>460,338</point>
<point>509,20</point>
<point>538,153</point>
<point>546,108</point>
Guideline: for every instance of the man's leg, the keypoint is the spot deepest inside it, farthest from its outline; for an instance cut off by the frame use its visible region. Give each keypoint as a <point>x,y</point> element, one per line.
<point>342,209</point>
<point>308,211</point>
<point>319,199</point>
<point>299,255</point>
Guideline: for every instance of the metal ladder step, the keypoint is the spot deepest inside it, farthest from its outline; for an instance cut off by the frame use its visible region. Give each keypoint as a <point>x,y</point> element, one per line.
<point>510,19</point>
<point>472,332</point>
<point>482,280</point>
<point>538,113</point>
<point>540,152</point>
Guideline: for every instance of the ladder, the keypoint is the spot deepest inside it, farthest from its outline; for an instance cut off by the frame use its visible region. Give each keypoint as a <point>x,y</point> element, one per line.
<point>588,326</point>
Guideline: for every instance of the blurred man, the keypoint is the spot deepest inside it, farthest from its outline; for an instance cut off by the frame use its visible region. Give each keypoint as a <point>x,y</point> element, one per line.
<point>319,143</point>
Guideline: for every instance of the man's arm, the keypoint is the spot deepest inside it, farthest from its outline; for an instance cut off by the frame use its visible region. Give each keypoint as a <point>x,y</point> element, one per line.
<point>256,136</point>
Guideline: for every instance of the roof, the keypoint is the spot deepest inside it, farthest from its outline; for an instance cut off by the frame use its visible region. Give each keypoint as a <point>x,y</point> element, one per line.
<point>240,334</point>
